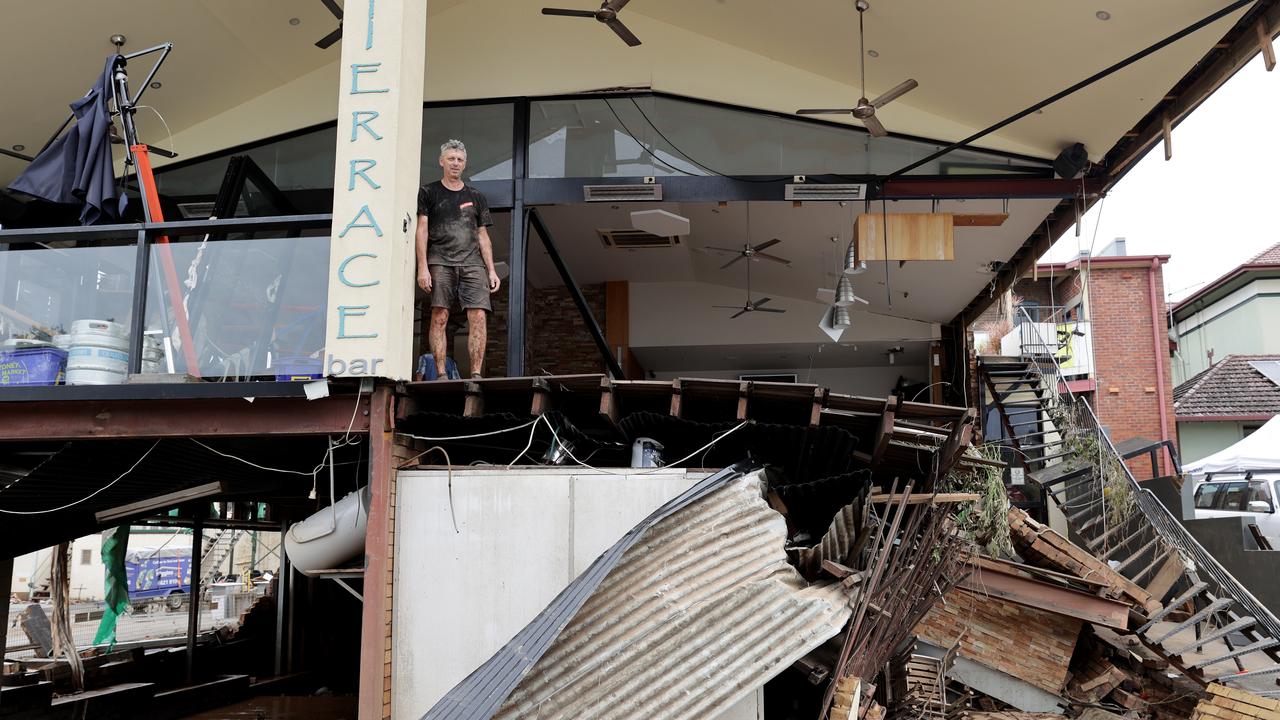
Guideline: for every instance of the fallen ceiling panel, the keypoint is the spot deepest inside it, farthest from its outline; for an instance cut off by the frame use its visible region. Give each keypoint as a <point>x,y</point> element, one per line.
<point>689,612</point>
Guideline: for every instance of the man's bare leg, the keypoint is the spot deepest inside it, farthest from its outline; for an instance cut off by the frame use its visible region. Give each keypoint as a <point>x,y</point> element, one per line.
<point>477,338</point>
<point>439,321</point>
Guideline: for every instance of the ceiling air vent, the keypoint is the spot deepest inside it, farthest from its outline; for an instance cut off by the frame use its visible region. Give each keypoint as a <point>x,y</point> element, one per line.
<point>803,191</point>
<point>632,239</point>
<point>621,193</point>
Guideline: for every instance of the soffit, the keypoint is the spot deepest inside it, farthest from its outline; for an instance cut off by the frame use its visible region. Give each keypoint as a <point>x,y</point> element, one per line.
<point>977,62</point>
<point>931,291</point>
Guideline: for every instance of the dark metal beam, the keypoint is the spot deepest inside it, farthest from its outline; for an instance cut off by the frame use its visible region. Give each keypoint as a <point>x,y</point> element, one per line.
<point>518,256</point>
<point>184,418</point>
<point>282,592</point>
<point>610,362</point>
<point>1012,187</point>
<point>137,319</point>
<point>1180,102</point>
<point>193,609</point>
<point>1207,20</point>
<point>6,587</point>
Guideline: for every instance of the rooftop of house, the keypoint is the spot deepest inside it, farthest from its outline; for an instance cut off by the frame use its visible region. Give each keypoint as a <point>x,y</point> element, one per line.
<point>1268,259</point>
<point>1231,387</point>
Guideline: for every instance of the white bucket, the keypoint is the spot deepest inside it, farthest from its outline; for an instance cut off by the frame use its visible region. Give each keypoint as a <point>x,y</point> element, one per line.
<point>331,536</point>
<point>99,353</point>
<point>62,342</point>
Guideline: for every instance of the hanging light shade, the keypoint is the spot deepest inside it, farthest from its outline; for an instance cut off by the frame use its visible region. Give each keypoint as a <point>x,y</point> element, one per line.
<point>841,318</point>
<point>853,266</point>
<point>844,292</point>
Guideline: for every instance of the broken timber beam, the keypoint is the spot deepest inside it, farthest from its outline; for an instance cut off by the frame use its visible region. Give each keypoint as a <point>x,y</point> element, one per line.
<point>925,498</point>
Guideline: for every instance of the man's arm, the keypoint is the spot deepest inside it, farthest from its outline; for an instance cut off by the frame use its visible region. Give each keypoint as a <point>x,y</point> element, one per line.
<point>486,253</point>
<point>420,244</point>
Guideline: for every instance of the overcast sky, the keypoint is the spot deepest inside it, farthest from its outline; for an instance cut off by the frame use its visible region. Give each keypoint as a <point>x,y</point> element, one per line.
<point>1213,206</point>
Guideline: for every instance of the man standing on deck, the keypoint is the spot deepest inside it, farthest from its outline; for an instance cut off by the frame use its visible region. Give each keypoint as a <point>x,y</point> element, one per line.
<point>455,257</point>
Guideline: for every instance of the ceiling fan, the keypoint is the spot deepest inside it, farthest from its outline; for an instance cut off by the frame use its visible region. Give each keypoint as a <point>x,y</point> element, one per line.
<point>749,306</point>
<point>607,14</point>
<point>327,41</point>
<point>866,109</point>
<point>751,252</point>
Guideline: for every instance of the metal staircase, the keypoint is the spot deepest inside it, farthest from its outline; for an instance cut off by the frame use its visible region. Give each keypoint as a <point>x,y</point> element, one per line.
<point>1058,441</point>
<point>215,554</point>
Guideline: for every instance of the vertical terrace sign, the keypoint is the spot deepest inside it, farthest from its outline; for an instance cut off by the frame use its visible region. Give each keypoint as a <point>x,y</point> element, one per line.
<point>371,275</point>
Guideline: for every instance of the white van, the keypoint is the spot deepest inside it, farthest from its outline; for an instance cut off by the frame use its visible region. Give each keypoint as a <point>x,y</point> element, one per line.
<point>1237,497</point>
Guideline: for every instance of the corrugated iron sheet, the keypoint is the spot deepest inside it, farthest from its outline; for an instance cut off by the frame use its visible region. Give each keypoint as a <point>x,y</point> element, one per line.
<point>698,608</point>
<point>835,544</point>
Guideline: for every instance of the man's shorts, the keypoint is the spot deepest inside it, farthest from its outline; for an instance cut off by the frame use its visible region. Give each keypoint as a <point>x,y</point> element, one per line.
<point>467,285</point>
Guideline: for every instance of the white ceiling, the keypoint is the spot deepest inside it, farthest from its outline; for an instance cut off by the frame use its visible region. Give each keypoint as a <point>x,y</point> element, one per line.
<point>932,291</point>
<point>977,61</point>
<point>754,357</point>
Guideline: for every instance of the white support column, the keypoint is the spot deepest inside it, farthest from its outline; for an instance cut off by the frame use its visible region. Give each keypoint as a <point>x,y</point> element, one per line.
<point>369,326</point>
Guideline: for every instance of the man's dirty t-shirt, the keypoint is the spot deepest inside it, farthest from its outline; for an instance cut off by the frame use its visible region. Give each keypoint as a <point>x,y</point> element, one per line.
<point>454,218</point>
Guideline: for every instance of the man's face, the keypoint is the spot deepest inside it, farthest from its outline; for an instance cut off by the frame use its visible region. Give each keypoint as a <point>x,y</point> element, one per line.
<point>453,162</point>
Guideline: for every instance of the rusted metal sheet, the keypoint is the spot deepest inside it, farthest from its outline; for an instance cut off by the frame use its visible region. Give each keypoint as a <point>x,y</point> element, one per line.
<point>987,580</point>
<point>699,608</point>
<point>835,545</point>
<point>226,417</point>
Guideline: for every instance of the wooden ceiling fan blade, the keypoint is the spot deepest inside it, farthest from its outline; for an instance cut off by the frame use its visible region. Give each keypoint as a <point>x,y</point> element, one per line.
<point>333,7</point>
<point>740,313</point>
<point>756,305</point>
<point>616,5</point>
<point>627,36</point>
<point>726,265</point>
<point>727,307</point>
<point>766,244</point>
<point>327,41</point>
<point>717,248</point>
<point>895,92</point>
<point>772,310</point>
<point>568,13</point>
<point>874,127</point>
<point>825,111</point>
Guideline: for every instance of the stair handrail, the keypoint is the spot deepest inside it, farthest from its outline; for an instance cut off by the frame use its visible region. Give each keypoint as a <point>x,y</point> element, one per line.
<point>1057,366</point>
<point>1173,532</point>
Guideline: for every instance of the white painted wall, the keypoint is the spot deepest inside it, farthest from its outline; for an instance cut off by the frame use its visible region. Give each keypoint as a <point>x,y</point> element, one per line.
<point>681,313</point>
<point>86,569</point>
<point>522,536</point>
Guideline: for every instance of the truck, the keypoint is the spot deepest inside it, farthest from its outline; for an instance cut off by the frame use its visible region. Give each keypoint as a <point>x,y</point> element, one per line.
<point>159,576</point>
<point>1242,496</point>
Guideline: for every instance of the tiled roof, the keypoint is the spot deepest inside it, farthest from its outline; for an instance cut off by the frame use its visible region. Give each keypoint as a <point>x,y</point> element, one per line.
<point>1267,257</point>
<point>1230,387</point>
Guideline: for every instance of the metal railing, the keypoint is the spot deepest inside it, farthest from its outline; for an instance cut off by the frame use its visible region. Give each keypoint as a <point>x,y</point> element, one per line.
<point>1170,530</point>
<point>149,237</point>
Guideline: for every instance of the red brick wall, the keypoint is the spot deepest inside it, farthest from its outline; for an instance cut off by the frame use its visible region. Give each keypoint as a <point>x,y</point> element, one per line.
<point>1127,400</point>
<point>1027,643</point>
<point>556,337</point>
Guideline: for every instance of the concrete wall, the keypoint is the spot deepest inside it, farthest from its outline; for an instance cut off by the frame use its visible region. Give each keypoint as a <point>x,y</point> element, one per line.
<point>1198,440</point>
<point>1228,540</point>
<point>1242,323</point>
<point>521,537</point>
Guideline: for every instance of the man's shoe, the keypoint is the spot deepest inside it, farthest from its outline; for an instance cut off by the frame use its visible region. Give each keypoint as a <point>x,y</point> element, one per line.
<point>476,376</point>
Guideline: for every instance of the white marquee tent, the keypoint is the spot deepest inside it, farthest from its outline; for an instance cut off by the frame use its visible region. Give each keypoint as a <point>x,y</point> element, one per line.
<point>1259,451</point>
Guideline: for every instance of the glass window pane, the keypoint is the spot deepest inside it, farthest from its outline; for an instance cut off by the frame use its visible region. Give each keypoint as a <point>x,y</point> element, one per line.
<point>44,291</point>
<point>255,306</point>
<point>1233,496</point>
<point>662,136</point>
<point>1205,495</point>
<point>1257,493</point>
<point>486,130</point>
<point>302,162</point>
